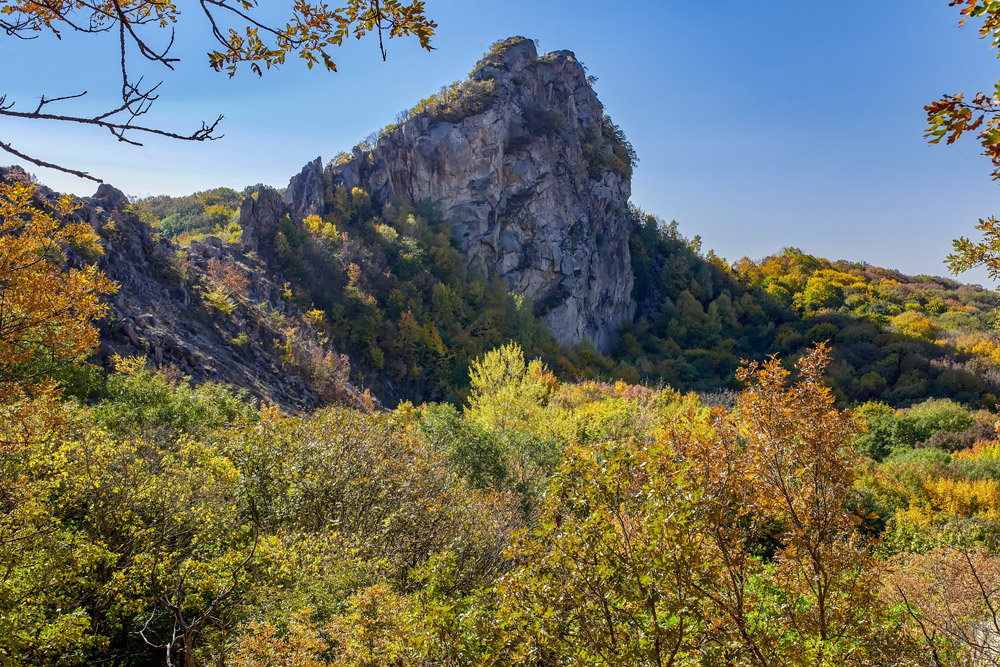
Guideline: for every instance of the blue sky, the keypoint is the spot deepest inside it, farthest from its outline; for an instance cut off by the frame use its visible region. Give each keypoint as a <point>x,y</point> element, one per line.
<point>758,124</point>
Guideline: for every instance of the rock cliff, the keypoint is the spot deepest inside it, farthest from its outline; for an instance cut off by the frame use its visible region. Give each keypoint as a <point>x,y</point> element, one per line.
<point>533,178</point>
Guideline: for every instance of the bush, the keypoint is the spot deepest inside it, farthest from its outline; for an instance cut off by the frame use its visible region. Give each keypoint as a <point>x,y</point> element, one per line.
<point>605,148</point>
<point>540,122</point>
<point>925,455</point>
<point>934,415</point>
<point>473,451</point>
<point>217,299</point>
<point>135,399</point>
<point>457,101</point>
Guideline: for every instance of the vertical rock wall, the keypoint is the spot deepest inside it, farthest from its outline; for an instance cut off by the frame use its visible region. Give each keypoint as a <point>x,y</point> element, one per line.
<point>520,166</point>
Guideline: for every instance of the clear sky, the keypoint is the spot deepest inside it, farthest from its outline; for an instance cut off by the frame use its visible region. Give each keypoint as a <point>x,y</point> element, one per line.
<point>758,124</point>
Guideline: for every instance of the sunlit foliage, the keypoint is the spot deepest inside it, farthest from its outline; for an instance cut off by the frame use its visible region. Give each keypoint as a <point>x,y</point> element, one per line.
<point>47,308</point>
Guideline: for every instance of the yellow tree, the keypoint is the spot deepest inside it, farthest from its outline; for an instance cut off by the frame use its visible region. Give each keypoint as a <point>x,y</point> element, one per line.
<point>795,579</point>
<point>46,314</point>
<point>505,391</point>
<point>46,308</point>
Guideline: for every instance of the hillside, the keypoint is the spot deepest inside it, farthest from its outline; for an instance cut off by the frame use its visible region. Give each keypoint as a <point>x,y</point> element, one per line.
<point>208,311</point>
<point>497,210</point>
<point>412,314</point>
<point>393,415</point>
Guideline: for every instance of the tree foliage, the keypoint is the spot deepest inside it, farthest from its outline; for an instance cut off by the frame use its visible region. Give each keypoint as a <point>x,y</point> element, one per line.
<point>547,522</point>
<point>46,308</point>
<point>242,33</point>
<point>953,115</point>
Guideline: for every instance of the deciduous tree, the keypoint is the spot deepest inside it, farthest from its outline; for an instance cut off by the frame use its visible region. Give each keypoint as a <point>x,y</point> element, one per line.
<point>795,581</point>
<point>46,308</point>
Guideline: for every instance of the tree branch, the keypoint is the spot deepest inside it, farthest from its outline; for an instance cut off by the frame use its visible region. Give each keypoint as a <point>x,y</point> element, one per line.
<point>48,165</point>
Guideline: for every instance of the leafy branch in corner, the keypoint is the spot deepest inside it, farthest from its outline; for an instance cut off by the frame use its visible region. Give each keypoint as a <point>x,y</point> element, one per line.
<point>240,36</point>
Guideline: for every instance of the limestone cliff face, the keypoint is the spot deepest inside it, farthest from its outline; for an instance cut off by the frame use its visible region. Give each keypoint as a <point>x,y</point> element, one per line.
<point>523,164</point>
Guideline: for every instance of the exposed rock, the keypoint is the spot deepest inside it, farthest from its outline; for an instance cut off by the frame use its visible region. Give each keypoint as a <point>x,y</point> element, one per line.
<point>159,311</point>
<point>14,174</point>
<point>512,178</point>
<point>110,198</point>
<point>306,193</point>
<point>259,218</point>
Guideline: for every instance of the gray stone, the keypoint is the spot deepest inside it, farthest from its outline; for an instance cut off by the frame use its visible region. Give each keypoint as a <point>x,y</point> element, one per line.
<point>259,218</point>
<point>540,194</point>
<point>306,194</point>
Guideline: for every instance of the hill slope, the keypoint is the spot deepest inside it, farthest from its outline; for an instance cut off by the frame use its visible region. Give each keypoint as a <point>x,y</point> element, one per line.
<point>498,210</point>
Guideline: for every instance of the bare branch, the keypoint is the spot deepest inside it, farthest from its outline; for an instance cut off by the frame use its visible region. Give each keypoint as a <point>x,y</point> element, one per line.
<point>44,101</point>
<point>48,165</point>
<point>203,134</point>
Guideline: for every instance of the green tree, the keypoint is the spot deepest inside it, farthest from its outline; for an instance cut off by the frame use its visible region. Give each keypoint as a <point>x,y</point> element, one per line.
<point>882,434</point>
<point>505,392</point>
<point>821,293</point>
<point>606,577</point>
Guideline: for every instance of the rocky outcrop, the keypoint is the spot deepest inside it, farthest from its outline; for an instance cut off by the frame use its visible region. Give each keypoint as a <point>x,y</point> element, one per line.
<point>259,218</point>
<point>161,312</point>
<point>523,164</point>
<point>306,191</point>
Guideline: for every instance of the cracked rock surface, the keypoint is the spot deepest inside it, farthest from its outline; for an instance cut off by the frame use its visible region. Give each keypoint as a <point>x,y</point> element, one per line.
<point>516,187</point>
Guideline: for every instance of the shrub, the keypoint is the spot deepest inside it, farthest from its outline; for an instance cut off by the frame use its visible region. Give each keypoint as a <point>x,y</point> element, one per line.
<point>457,101</point>
<point>540,122</point>
<point>217,299</point>
<point>136,399</point>
<point>918,325</point>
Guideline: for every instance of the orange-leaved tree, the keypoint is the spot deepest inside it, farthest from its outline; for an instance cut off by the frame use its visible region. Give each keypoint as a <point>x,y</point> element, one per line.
<point>728,538</point>
<point>47,309</point>
<point>952,116</point>
<point>795,580</point>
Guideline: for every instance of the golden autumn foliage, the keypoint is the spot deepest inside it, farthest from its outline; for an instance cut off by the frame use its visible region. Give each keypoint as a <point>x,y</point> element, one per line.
<point>608,524</point>
<point>778,476</point>
<point>915,324</point>
<point>722,537</point>
<point>46,309</point>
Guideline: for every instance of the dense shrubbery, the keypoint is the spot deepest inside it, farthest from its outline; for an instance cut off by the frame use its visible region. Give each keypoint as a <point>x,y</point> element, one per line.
<point>145,520</point>
<point>212,212</point>
<point>545,521</point>
<point>605,148</point>
<point>457,101</point>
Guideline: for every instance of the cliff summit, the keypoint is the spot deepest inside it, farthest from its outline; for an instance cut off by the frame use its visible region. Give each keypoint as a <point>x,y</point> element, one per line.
<point>531,175</point>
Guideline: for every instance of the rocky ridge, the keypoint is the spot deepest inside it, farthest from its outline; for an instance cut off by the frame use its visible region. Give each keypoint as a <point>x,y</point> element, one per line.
<point>171,305</point>
<point>533,178</point>
<point>520,160</point>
